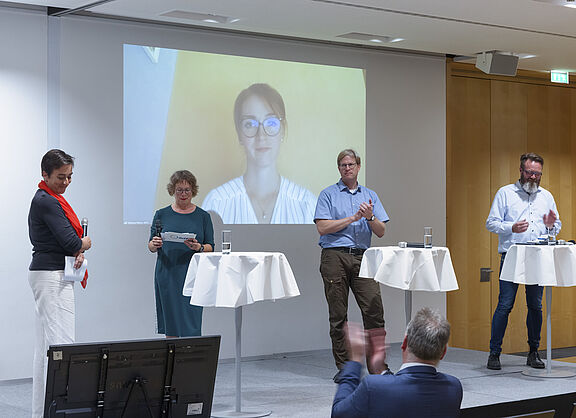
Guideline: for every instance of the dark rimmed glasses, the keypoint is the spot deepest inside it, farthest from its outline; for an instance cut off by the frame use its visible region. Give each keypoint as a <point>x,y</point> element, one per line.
<point>271,126</point>
<point>349,165</point>
<point>531,173</point>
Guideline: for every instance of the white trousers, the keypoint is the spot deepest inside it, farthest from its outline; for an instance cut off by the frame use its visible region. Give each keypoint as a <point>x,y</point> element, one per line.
<point>54,325</point>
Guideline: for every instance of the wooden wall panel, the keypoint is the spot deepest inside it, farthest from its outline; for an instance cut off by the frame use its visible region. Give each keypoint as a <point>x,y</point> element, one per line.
<point>468,128</point>
<point>497,119</point>
<point>560,178</point>
<point>509,132</point>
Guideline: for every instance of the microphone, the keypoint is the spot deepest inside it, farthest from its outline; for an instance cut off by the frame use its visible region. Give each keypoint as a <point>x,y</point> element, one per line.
<point>158,226</point>
<point>84,224</point>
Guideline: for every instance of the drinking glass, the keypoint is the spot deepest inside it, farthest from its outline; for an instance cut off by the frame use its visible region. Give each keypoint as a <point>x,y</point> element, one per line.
<point>427,237</point>
<point>226,241</point>
<point>551,235</point>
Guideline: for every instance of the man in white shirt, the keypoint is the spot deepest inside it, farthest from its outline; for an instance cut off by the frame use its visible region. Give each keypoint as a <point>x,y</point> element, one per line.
<point>521,212</point>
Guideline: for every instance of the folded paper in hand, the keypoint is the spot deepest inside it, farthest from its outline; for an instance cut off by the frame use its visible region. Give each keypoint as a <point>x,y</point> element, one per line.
<point>74,275</point>
<point>177,236</point>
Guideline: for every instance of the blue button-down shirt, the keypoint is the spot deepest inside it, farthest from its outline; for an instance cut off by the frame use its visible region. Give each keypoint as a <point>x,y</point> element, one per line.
<point>337,202</point>
<point>512,204</point>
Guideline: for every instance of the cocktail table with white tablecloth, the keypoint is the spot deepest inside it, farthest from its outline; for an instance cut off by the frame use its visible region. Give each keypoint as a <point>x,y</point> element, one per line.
<point>238,279</point>
<point>542,265</point>
<point>425,269</point>
<point>232,281</point>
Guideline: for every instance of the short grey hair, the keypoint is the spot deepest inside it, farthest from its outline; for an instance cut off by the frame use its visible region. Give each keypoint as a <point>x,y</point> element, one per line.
<point>427,334</point>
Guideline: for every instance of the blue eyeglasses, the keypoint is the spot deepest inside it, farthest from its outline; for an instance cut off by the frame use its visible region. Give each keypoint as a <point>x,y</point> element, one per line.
<point>271,126</point>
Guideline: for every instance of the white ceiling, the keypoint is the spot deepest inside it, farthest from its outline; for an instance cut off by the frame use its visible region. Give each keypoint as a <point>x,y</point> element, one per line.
<point>544,28</point>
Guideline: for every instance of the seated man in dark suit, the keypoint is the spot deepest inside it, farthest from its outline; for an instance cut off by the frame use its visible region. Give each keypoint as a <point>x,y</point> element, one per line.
<point>416,390</point>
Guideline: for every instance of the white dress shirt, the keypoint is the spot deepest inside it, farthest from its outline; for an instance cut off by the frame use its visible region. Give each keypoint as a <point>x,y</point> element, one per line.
<point>512,204</point>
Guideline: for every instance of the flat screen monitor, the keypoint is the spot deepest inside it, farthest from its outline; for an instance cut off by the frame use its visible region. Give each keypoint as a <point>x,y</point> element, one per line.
<point>145,378</point>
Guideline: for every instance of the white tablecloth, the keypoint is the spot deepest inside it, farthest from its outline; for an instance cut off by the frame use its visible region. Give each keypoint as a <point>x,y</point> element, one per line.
<point>428,269</point>
<point>544,265</point>
<point>238,279</point>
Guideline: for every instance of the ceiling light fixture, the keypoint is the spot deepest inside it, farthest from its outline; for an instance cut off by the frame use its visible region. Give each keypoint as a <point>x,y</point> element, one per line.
<point>565,3</point>
<point>200,17</point>
<point>526,56</point>
<point>367,37</point>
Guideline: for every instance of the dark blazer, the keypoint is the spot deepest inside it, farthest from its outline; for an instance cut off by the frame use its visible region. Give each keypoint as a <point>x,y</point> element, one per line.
<point>416,391</point>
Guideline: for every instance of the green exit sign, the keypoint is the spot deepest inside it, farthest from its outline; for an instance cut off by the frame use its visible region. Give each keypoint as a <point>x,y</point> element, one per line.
<point>559,77</point>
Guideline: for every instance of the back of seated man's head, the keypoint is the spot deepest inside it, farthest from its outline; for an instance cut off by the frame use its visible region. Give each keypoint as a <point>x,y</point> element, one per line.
<point>427,335</point>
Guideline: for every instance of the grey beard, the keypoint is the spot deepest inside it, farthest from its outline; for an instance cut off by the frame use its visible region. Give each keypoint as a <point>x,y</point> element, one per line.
<point>530,187</point>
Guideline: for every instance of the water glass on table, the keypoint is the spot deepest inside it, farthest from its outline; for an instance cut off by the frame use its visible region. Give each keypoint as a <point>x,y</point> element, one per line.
<point>226,241</point>
<point>427,237</point>
<point>551,235</point>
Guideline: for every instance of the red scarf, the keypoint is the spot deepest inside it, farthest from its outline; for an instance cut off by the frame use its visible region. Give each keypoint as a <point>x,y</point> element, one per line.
<point>70,214</point>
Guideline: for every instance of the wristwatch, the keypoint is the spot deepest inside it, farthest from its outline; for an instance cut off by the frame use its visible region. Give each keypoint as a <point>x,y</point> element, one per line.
<point>201,250</point>
<point>372,218</point>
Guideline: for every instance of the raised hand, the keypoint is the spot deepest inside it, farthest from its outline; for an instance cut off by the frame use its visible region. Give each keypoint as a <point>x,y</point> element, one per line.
<point>377,351</point>
<point>366,210</point>
<point>355,338</point>
<point>549,219</point>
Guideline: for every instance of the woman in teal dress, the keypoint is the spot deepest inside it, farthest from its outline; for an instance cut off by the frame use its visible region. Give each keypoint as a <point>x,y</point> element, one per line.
<point>175,316</point>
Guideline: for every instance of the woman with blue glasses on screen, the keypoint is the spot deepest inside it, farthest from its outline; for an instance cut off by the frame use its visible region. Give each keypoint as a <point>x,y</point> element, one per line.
<point>261,195</point>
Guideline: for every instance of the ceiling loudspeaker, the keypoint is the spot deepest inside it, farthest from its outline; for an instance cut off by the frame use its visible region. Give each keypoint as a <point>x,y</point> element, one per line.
<point>494,62</point>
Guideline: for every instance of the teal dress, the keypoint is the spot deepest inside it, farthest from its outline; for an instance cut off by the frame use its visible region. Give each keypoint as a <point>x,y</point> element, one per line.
<point>175,316</point>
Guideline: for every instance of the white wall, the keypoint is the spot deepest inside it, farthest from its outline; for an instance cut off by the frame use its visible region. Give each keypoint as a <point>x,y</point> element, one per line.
<point>23,142</point>
<point>405,166</point>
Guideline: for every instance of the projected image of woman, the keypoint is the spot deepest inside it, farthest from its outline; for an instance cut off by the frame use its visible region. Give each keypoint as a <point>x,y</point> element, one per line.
<point>261,195</point>
<point>55,232</point>
<point>175,316</point>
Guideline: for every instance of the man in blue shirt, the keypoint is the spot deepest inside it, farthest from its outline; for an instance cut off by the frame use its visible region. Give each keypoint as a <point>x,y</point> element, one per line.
<point>521,212</point>
<point>346,216</point>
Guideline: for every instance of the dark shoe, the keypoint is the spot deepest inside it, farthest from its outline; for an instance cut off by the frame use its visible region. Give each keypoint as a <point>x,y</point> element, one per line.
<point>494,362</point>
<point>336,377</point>
<point>534,360</point>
